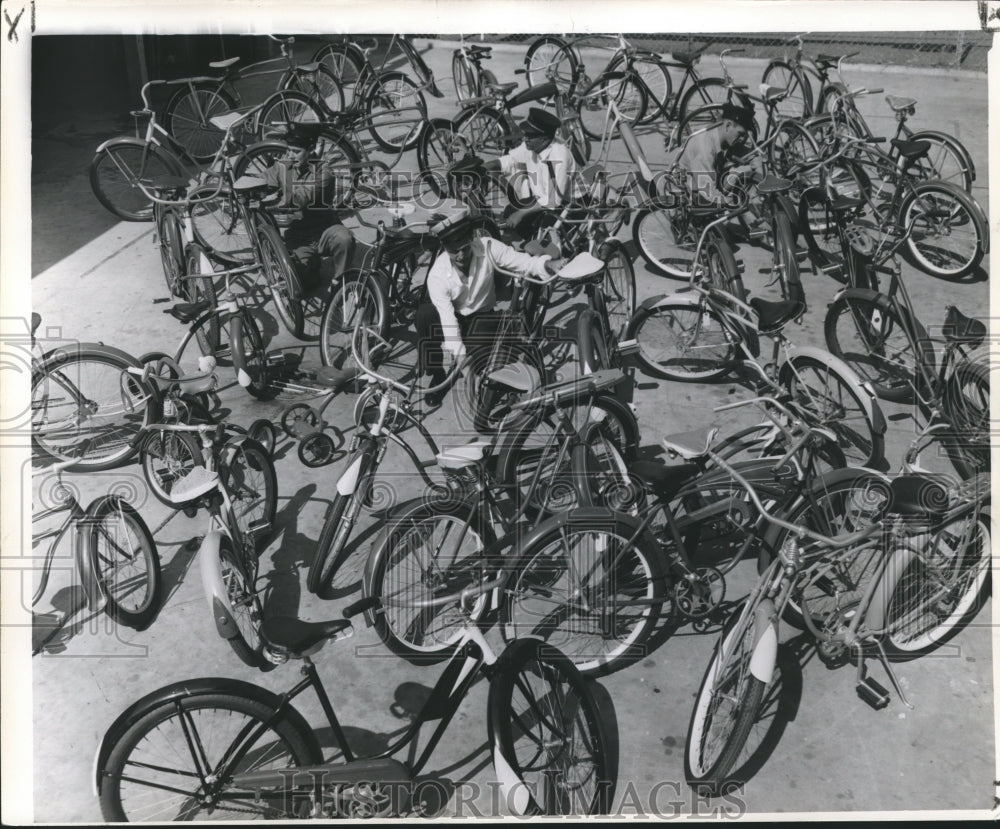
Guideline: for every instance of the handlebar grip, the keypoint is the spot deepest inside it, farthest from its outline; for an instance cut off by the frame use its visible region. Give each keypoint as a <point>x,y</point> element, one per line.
<point>875,140</point>
<point>139,113</point>
<point>520,71</point>
<point>877,91</point>
<point>741,86</point>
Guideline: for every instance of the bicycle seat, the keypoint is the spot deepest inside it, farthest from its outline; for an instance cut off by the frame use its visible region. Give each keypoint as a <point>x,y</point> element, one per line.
<point>188,312</point>
<point>845,203</point>
<point>772,184</point>
<point>582,267</point>
<point>518,376</point>
<point>224,64</point>
<point>336,379</point>
<point>686,58</point>
<point>899,104</point>
<point>911,150</point>
<point>772,94</point>
<point>503,88</point>
<point>686,444</point>
<point>533,93</point>
<point>169,184</point>
<point>193,485</point>
<point>309,67</point>
<point>827,61</point>
<point>458,457</point>
<point>663,480</point>
<point>298,638</point>
<point>227,119</point>
<point>917,496</point>
<point>189,383</point>
<point>958,328</point>
<point>479,51</point>
<point>773,316</point>
<point>249,185</point>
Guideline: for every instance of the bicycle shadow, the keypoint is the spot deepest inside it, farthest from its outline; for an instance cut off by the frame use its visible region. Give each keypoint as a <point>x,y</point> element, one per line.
<point>282,590</point>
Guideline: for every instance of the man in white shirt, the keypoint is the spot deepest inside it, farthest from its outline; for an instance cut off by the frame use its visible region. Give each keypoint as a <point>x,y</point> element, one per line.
<point>541,170</point>
<point>462,291</point>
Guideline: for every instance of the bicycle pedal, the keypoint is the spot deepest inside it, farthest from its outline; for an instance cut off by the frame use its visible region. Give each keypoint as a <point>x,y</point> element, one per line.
<point>801,254</point>
<point>873,693</point>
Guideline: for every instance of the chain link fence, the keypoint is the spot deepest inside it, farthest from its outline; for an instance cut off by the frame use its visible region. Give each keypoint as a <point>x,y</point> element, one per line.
<point>951,49</point>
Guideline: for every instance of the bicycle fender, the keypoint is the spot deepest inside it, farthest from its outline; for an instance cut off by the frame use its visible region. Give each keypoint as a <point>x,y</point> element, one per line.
<point>876,617</point>
<point>188,689</point>
<point>215,590</point>
<point>765,646</point>
<point>347,484</point>
<point>861,388</point>
<point>958,146</point>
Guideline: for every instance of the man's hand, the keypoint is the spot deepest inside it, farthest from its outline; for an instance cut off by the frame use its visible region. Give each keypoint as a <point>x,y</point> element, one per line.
<point>456,351</point>
<point>553,266</point>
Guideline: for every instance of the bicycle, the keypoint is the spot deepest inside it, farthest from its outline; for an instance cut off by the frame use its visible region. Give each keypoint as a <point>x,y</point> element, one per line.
<point>949,234</point>
<point>114,555</point>
<point>467,71</point>
<point>232,477</point>
<point>796,75</point>
<point>552,747</point>
<point>556,452</point>
<point>837,576</point>
<point>87,404</point>
<point>703,332</point>
<point>378,95</point>
<point>189,112</point>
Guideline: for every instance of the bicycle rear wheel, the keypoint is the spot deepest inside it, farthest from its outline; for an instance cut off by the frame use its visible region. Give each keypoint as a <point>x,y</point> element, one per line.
<point>124,559</point>
<point>185,748</point>
<point>547,725</point>
<point>171,238</point>
<point>360,297</point>
<point>199,287</point>
<point>945,240</point>
<point>666,241</point>
<point>618,286</point>
<point>116,170</point>
<point>589,587</point>
<point>87,406</point>
<point>967,407</point>
<point>166,457</point>
<point>281,278</point>
<point>249,355</point>
<point>284,108</point>
<point>464,75</point>
<point>681,341</point>
<point>188,118</point>
<point>941,588</point>
<point>396,112</point>
<point>623,88</point>
<point>432,549</point>
<point>243,610</point>
<point>551,59</point>
<point>247,472</point>
<point>798,102</point>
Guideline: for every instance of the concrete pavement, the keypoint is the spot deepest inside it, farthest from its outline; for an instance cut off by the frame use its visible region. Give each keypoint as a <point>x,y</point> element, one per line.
<point>834,754</point>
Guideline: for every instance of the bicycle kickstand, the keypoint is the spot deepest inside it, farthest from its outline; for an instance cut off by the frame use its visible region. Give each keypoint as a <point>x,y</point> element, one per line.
<point>871,691</point>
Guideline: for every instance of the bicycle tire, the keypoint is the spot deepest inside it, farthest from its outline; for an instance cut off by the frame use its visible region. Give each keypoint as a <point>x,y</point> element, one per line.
<point>171,238</point>
<point>218,226</point>
<point>486,132</point>
<point>340,316</point>
<point>665,240</point>
<point>618,286</point>
<point>925,244</point>
<point>548,727</point>
<point>720,264</point>
<point>127,569</point>
<point>283,108</point>
<point>966,404</point>
<point>425,636</point>
<point>198,136</point>
<point>331,548</point>
<point>791,146</point>
<point>710,774</point>
<point>601,467</point>
<point>833,401</point>
<point>798,103</point>
<point>594,553</point>
<point>939,592</point>
<point>282,279</point>
<point>702,93</point>
<point>867,332</point>
<point>438,148</point>
<point>345,60</point>
<point>243,607</point>
<point>628,94</point>
<point>681,341</point>
<point>219,722</point>
<point>201,289</point>
<point>464,77</point>
<point>117,167</point>
<point>324,88</point>
<point>551,59</point>
<point>247,472</point>
<point>523,446</point>
<point>593,351</point>
<point>947,160</point>
<point>654,77</point>
<point>61,429</point>
<point>166,457</point>
<point>249,355</point>
<point>258,158</point>
<point>783,257</point>
<point>392,91</point>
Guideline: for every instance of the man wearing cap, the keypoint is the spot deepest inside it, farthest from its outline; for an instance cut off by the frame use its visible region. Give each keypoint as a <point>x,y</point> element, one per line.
<point>318,242</point>
<point>460,284</point>
<point>541,170</point>
<point>707,156</point>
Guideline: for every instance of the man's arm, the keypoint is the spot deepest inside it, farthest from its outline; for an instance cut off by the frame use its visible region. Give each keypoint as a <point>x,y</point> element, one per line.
<point>439,291</point>
<point>506,258</point>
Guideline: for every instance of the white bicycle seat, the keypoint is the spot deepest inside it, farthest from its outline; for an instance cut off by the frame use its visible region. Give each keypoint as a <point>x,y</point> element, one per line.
<point>193,485</point>
<point>580,267</point>
<point>456,457</point>
<point>518,376</point>
<point>691,445</point>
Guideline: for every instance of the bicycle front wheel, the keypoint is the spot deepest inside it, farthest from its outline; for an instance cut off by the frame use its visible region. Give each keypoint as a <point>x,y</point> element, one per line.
<point>396,111</point>
<point>593,349</point>
<point>432,550</point>
<point>464,76</point>
<point>725,708</point>
<point>116,170</point>
<point>124,559</point>
<point>546,722</point>
<point>821,389</point>
<point>243,607</point>
<point>666,241</point>
<point>281,278</point>
<point>86,406</point>
<point>188,118</point>
<point>681,341</point>
<point>946,239</point>
<point>798,101</point>
<point>171,250</point>
<point>551,59</point>
<point>589,587</point>
<point>199,287</point>
<point>967,407</point>
<point>941,588</point>
<point>166,457</point>
<point>249,354</point>
<point>618,286</point>
<point>624,89</point>
<point>360,297</point>
<point>284,108</point>
<point>177,760</point>
<point>248,475</point>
